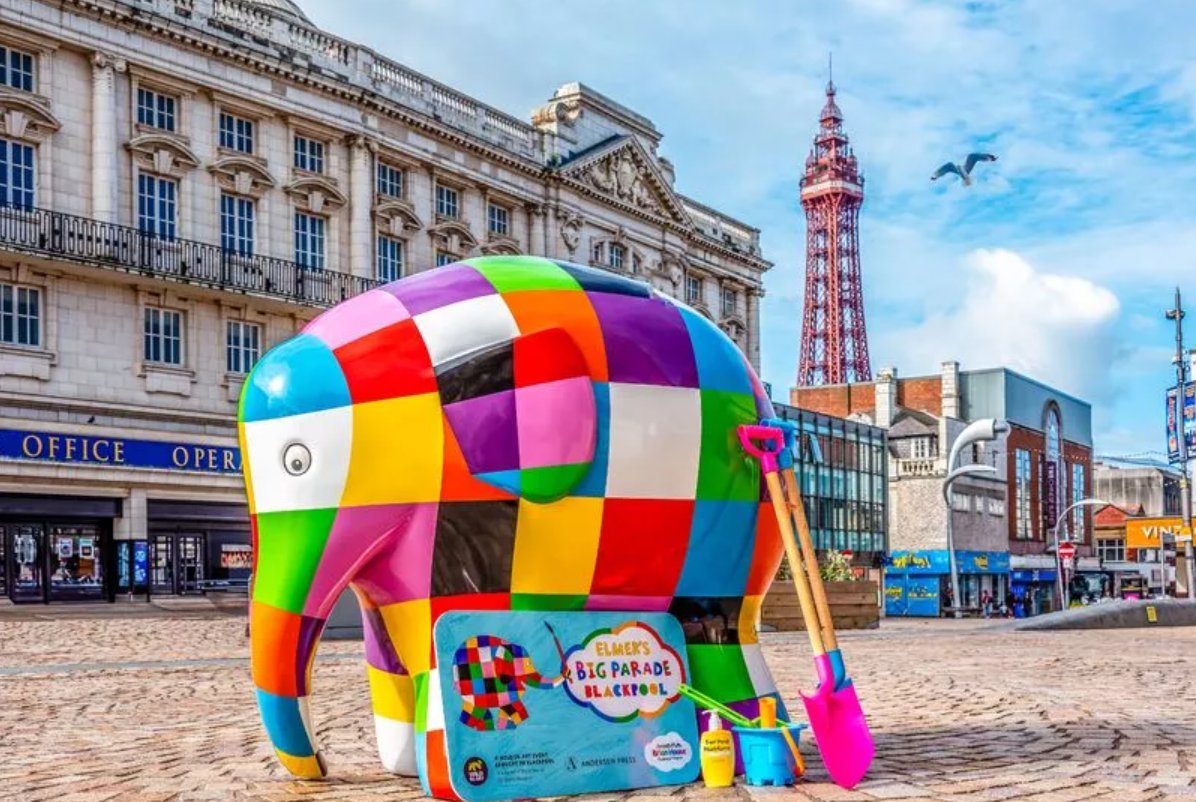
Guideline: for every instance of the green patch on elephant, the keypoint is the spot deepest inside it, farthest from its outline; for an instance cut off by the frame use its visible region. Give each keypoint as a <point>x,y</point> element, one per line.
<point>421,701</point>
<point>290,545</point>
<point>720,672</point>
<point>514,273</point>
<point>553,483</point>
<point>725,472</point>
<point>548,601</point>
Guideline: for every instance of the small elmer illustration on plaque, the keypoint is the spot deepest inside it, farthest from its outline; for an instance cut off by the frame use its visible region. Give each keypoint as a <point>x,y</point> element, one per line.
<point>492,675</point>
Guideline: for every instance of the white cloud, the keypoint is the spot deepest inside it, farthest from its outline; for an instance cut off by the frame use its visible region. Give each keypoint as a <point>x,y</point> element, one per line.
<point>1058,329</point>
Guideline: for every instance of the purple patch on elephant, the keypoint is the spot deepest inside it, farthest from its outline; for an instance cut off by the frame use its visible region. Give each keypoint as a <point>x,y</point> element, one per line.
<point>646,341</point>
<point>379,651</point>
<point>487,432</point>
<point>439,287</point>
<point>309,632</point>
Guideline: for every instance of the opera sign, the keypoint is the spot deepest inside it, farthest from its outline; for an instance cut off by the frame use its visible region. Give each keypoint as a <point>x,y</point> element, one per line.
<point>624,672</point>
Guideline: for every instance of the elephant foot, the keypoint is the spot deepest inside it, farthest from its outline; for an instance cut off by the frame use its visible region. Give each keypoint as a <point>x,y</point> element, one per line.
<point>311,767</point>
<point>396,745</point>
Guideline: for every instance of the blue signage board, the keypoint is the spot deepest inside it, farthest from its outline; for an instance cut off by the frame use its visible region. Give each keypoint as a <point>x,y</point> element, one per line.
<point>549,703</point>
<point>937,562</point>
<point>1041,575</point>
<point>912,595</point>
<point>1189,426</point>
<point>121,452</point>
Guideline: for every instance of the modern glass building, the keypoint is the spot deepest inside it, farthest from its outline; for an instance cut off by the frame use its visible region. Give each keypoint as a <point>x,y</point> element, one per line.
<point>842,468</point>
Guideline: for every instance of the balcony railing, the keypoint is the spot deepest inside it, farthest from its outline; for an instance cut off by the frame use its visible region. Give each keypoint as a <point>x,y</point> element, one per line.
<point>94,242</point>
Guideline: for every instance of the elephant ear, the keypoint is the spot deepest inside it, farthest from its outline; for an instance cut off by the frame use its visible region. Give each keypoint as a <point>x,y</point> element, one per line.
<point>524,414</point>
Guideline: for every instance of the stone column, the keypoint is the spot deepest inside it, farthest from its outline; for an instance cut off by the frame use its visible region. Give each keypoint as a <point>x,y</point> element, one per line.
<point>361,201</point>
<point>753,324</point>
<point>103,136</point>
<point>536,244</point>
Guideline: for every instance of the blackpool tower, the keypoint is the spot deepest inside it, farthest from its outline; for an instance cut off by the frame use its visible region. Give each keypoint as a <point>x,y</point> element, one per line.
<point>834,339</point>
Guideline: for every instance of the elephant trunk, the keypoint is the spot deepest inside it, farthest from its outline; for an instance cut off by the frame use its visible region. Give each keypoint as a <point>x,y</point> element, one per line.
<point>283,647</point>
<point>539,681</point>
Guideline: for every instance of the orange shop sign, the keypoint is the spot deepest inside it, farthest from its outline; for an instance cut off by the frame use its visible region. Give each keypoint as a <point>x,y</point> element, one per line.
<point>1143,533</point>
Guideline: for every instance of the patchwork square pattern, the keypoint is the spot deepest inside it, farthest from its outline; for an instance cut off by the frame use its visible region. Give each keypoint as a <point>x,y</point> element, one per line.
<point>508,433</point>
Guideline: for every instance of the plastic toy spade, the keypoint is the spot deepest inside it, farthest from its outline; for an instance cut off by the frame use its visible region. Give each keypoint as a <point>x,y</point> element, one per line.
<point>809,557</point>
<point>836,718</point>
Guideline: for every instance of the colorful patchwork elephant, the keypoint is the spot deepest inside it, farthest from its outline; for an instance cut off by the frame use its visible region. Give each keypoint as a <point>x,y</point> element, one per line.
<point>492,675</point>
<point>507,433</point>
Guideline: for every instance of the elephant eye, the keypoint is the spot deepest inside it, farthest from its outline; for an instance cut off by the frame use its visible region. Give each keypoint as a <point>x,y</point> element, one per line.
<point>296,459</point>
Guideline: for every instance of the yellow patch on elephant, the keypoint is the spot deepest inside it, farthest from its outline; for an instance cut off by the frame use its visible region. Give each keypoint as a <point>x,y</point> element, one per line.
<point>409,625</point>
<point>393,695</point>
<point>398,452</point>
<point>556,546</point>
<point>749,617</point>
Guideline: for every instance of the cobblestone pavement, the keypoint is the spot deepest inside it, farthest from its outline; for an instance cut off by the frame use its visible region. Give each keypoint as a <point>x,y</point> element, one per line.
<point>162,709</point>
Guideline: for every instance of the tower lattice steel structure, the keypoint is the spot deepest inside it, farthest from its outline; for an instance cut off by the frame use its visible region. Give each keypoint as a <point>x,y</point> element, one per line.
<point>834,338</point>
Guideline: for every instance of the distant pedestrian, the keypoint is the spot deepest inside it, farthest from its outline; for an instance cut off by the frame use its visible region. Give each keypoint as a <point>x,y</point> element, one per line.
<point>986,602</point>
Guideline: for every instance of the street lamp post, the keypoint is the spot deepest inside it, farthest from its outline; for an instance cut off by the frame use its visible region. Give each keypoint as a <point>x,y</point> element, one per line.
<point>1185,498</point>
<point>984,429</point>
<point>1088,502</point>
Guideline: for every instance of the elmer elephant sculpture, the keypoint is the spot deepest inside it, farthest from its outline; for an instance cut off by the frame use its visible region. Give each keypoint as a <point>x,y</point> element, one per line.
<point>506,433</point>
<point>492,675</point>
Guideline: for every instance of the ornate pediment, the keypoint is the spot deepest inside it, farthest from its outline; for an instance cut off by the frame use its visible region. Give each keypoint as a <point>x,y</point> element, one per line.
<point>162,153</point>
<point>396,217</point>
<point>26,116</point>
<point>501,245</point>
<point>623,171</point>
<point>243,175</point>
<point>453,236</point>
<point>317,194</point>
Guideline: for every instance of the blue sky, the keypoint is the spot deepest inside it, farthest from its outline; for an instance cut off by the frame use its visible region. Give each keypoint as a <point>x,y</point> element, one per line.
<point>1057,263</point>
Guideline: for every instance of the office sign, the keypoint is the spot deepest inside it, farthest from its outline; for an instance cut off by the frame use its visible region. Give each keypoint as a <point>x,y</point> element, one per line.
<point>118,452</point>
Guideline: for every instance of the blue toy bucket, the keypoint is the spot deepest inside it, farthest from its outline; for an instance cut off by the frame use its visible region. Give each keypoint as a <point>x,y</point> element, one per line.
<point>766,756</point>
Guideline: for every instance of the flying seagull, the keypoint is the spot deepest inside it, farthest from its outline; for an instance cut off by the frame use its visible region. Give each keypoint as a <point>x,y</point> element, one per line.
<point>964,172</point>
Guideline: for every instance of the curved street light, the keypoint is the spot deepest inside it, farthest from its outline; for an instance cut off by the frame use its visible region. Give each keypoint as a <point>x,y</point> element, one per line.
<point>983,429</point>
<point>1087,502</point>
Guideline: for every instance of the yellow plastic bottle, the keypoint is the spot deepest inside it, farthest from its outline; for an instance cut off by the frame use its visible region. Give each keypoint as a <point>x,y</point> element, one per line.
<point>717,754</point>
<point>768,713</point>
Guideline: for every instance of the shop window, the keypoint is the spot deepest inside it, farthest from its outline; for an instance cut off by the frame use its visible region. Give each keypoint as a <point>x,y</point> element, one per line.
<point>236,133</point>
<point>390,181</point>
<point>20,315</point>
<point>163,330</point>
<point>1111,549</point>
<point>16,69</point>
<point>237,222</point>
<point>76,565</point>
<point>157,207</point>
<point>390,258</point>
<point>17,176</point>
<point>155,109</point>
<point>309,240</point>
<point>243,346</point>
<point>309,155</point>
<point>26,543</point>
<point>447,204</point>
<point>498,220</point>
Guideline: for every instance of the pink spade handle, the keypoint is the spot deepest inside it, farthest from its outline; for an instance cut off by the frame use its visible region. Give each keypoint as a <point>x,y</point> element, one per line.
<point>772,441</point>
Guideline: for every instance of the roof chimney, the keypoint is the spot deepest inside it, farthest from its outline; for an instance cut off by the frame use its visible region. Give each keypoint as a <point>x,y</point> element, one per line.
<point>950,391</point>
<point>885,391</point>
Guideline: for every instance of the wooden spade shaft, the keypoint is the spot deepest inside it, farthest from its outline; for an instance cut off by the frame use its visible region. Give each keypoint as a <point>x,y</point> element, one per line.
<point>800,582</point>
<point>810,559</point>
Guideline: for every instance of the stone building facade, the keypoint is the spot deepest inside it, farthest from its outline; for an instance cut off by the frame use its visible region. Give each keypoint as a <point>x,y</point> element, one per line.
<point>185,183</point>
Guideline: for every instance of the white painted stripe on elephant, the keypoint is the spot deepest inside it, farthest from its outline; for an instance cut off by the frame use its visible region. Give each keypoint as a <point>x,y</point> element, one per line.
<point>305,717</point>
<point>761,677</point>
<point>328,437</point>
<point>396,745</point>
<point>659,424</point>
<point>455,330</point>
<point>434,715</point>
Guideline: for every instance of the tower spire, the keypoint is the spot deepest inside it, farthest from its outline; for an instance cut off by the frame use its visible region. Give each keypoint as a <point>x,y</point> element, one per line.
<point>830,73</point>
<point>834,340</point>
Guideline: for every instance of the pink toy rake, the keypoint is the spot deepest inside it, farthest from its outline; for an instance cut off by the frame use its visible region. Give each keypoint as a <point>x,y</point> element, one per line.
<point>836,718</point>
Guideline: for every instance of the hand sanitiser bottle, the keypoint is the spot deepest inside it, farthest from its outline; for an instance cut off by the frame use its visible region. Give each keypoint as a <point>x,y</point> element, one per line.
<point>717,754</point>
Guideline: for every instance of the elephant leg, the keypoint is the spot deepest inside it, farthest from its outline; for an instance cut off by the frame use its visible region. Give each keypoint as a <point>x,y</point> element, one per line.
<point>392,693</point>
<point>758,672</point>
